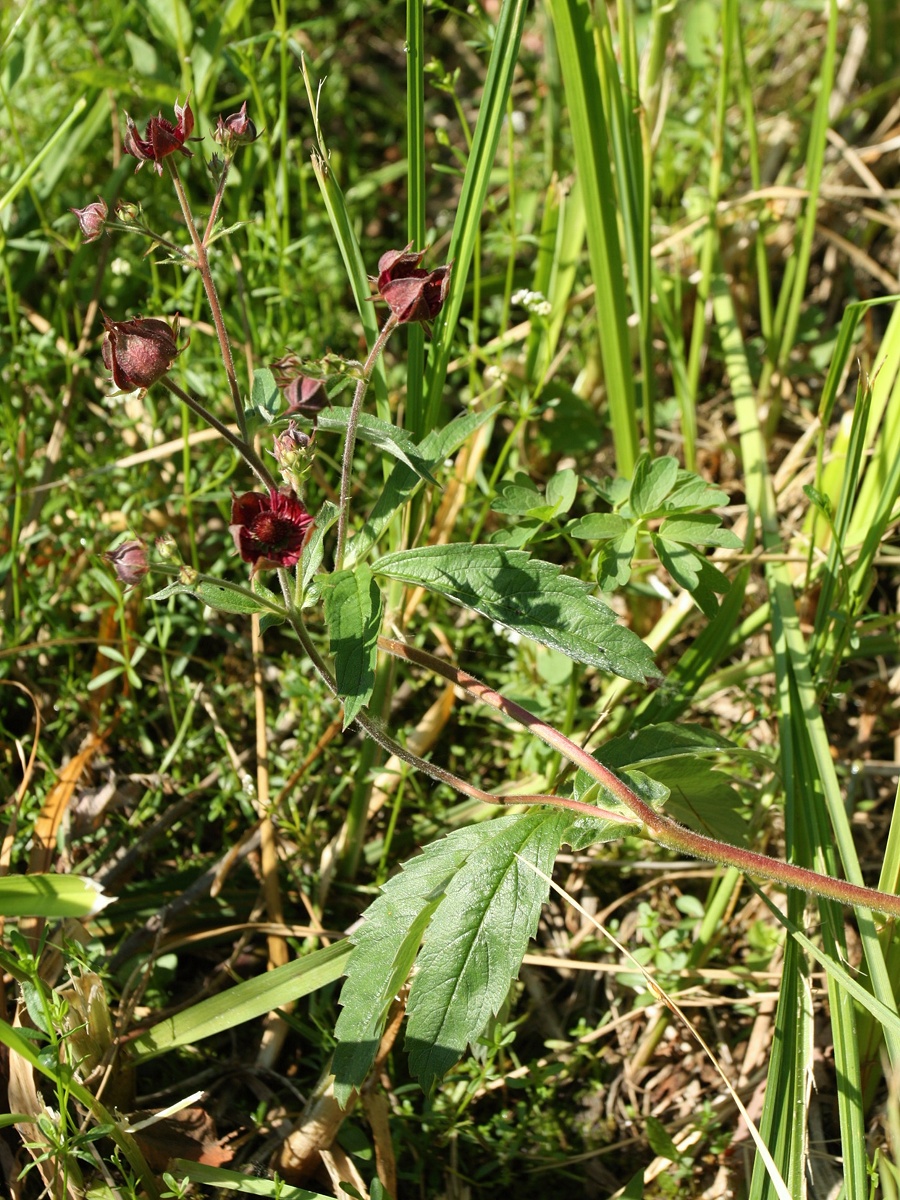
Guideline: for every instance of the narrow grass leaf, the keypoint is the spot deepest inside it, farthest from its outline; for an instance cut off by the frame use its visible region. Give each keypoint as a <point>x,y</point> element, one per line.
<point>51,896</point>
<point>466,227</point>
<point>233,1181</point>
<point>574,25</point>
<point>245,1001</point>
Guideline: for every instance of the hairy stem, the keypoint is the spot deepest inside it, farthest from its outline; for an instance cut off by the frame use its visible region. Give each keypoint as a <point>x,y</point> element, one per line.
<point>379,735</point>
<point>663,829</point>
<point>243,448</point>
<point>209,287</point>
<point>350,438</point>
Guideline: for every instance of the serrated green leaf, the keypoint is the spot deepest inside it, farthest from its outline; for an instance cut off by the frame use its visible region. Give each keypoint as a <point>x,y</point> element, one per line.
<point>691,493</point>
<point>517,497</point>
<point>598,526</point>
<point>653,480</point>
<point>613,560</point>
<point>403,482</point>
<point>561,490</point>
<point>693,572</point>
<point>384,949</point>
<point>474,945</point>
<point>677,756</point>
<point>314,550</point>
<point>216,597</point>
<point>704,529</point>
<point>519,535</point>
<point>353,614</point>
<point>529,596</point>
<point>384,436</point>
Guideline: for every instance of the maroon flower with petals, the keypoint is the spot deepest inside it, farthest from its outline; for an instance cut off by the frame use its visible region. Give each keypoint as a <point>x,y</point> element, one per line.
<point>130,562</point>
<point>412,293</point>
<point>92,219</point>
<point>140,351</point>
<point>269,530</point>
<point>161,137</point>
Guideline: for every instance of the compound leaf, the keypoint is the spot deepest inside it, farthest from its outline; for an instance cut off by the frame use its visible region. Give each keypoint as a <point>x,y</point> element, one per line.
<point>526,595</point>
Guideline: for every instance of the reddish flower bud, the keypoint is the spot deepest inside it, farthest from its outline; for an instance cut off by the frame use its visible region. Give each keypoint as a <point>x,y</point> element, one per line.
<point>269,531</point>
<point>398,264</point>
<point>412,293</point>
<point>236,130</point>
<point>140,351</point>
<point>130,562</point>
<point>304,393</point>
<point>161,137</point>
<point>92,219</point>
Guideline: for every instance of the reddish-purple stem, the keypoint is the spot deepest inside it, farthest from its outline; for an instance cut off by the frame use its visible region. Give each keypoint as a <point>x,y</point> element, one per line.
<point>665,830</point>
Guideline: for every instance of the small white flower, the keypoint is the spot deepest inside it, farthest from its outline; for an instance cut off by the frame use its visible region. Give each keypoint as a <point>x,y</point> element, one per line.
<point>120,266</point>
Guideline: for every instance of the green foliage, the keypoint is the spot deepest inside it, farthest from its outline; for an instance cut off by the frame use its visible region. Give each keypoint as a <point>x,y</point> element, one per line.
<point>528,596</point>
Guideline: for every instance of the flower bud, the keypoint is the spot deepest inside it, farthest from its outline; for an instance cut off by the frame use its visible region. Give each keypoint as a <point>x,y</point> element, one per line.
<point>167,548</point>
<point>140,351</point>
<point>130,562</point>
<point>236,130</point>
<point>305,394</point>
<point>293,453</point>
<point>412,293</point>
<point>91,219</point>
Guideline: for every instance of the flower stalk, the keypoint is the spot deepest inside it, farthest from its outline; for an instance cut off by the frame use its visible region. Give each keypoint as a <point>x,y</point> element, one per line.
<point>200,250</point>
<point>666,831</point>
<point>350,439</point>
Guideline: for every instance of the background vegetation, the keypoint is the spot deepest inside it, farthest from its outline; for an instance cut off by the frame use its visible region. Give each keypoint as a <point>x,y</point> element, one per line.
<point>687,227</point>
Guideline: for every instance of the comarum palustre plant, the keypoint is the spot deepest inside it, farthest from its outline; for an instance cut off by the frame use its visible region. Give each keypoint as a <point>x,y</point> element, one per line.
<point>465,909</point>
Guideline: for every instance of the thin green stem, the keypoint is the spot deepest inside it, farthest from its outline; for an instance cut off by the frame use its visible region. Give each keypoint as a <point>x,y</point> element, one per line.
<point>209,287</point>
<point>669,833</point>
<point>350,438</point>
<point>243,448</point>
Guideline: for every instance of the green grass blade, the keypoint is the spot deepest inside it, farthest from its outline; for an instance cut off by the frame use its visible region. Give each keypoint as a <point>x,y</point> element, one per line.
<point>573,22</point>
<point>415,221</point>
<point>354,264</point>
<point>491,114</point>
<point>246,1001</point>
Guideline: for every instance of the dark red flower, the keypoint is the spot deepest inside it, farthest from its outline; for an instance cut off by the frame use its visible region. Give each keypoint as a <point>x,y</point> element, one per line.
<point>92,219</point>
<point>140,351</point>
<point>412,293</point>
<point>161,137</point>
<point>236,130</point>
<point>130,562</point>
<point>269,530</point>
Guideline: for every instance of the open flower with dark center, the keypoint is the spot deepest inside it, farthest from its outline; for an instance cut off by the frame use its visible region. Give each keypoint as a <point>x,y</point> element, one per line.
<point>92,219</point>
<point>412,293</point>
<point>140,351</point>
<point>161,137</point>
<point>130,562</point>
<point>269,530</point>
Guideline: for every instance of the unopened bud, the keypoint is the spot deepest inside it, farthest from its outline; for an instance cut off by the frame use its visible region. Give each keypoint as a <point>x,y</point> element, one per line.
<point>236,130</point>
<point>130,562</point>
<point>91,219</point>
